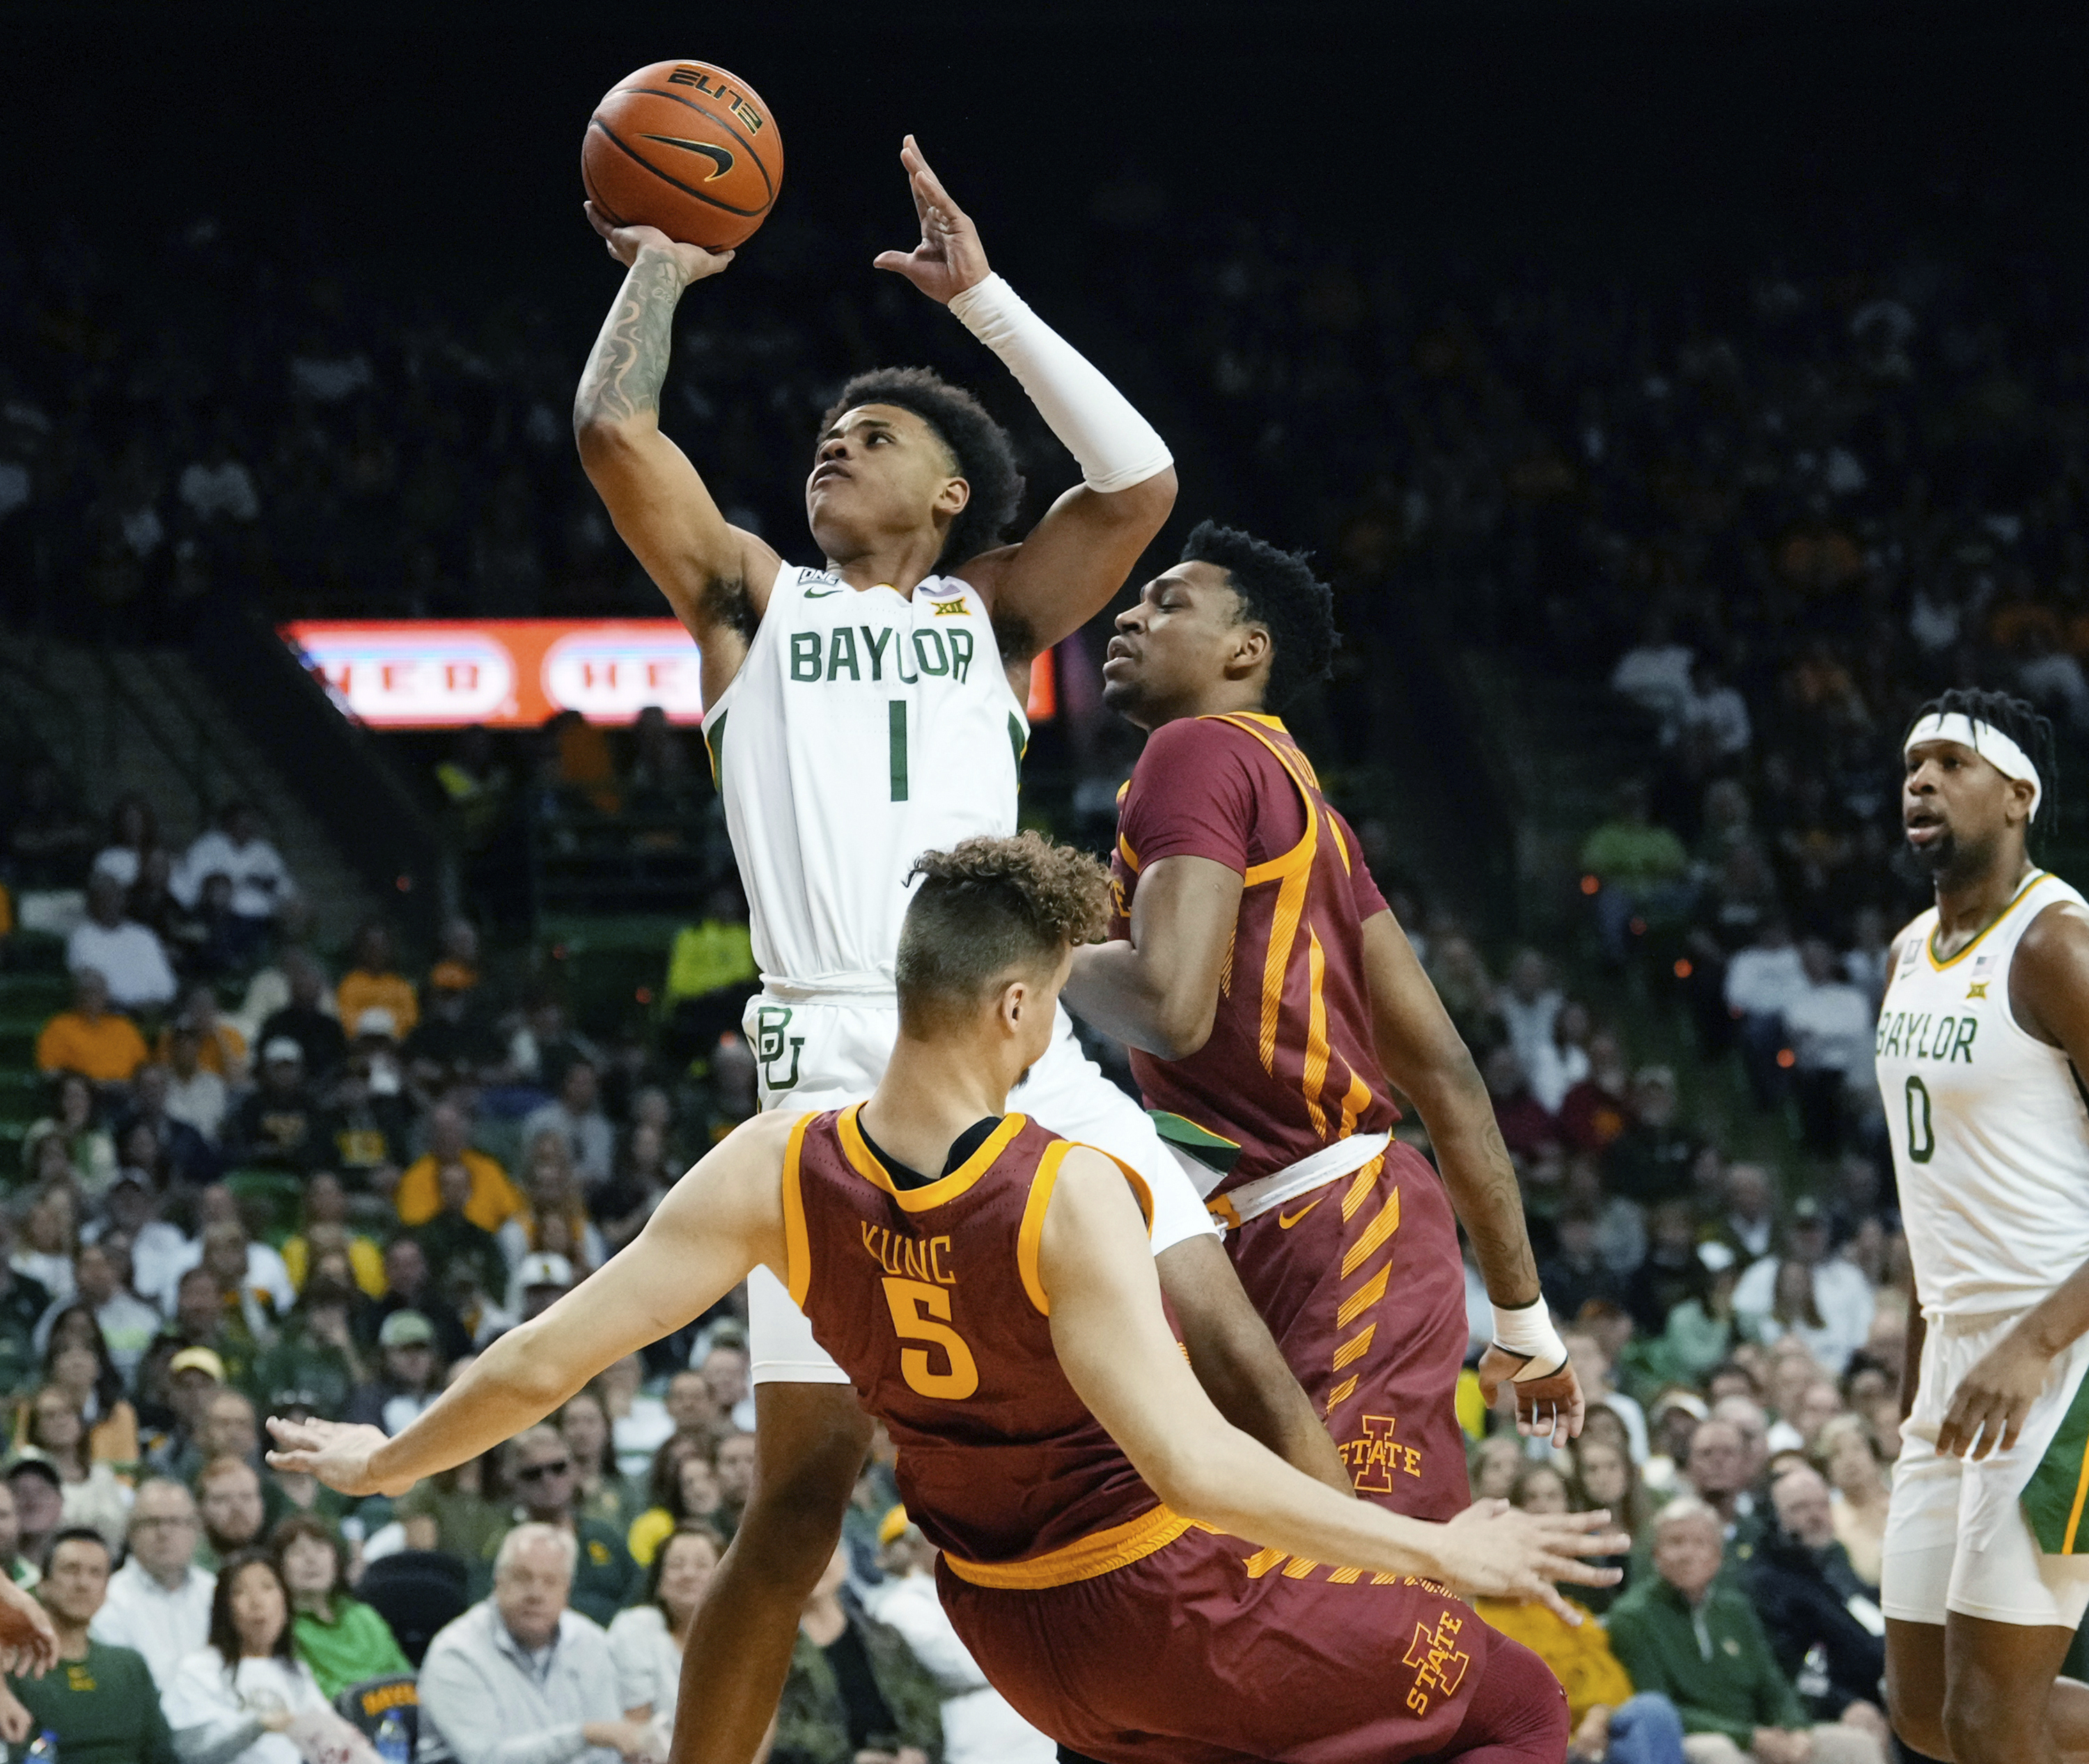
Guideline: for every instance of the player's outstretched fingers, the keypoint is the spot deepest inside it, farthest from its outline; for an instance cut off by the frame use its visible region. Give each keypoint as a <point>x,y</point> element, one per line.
<point>1543,1592</point>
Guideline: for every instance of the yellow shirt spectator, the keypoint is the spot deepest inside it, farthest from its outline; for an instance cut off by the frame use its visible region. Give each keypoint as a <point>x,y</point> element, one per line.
<point>493,1202</point>
<point>361,990</point>
<point>365,1261</point>
<point>1580,1658</point>
<point>106,1048</point>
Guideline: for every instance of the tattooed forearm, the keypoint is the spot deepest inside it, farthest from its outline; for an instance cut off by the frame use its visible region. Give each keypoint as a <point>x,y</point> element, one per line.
<point>623,374</point>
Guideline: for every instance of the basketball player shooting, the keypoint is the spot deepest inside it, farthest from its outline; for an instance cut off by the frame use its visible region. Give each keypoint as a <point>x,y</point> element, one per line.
<point>1267,994</point>
<point>1004,1320</point>
<point>1982,1044</point>
<point>858,714</point>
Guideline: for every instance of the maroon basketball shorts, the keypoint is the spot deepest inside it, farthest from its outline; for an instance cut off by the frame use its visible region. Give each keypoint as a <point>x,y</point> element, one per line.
<point>1208,1652</point>
<point>1361,1285</point>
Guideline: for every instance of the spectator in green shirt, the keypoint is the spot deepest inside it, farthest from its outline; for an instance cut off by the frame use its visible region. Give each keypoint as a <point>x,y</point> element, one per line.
<point>1699,1643</point>
<point>1640,870</point>
<point>99,1700</point>
<point>343,1640</point>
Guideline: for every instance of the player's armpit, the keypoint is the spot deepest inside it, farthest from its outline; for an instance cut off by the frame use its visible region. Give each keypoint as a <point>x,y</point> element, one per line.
<point>1158,991</point>
<point>1064,572</point>
<point>724,1216</point>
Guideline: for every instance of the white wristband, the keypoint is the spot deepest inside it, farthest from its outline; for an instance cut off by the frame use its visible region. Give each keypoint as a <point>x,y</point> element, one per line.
<point>1526,1330</point>
<point>1116,446</point>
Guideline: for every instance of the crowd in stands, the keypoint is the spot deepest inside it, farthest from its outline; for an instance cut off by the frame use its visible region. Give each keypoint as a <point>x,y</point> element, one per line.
<point>1771,510</point>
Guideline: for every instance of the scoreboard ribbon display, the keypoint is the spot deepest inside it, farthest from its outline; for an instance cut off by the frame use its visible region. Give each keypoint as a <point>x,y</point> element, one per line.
<point>519,673</point>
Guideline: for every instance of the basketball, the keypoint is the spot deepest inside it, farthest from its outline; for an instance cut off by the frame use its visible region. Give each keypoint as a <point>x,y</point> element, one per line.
<point>687,147</point>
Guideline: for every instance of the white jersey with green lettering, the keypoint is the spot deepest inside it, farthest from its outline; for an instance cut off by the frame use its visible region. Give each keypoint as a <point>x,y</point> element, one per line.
<point>1990,1134</point>
<point>864,728</point>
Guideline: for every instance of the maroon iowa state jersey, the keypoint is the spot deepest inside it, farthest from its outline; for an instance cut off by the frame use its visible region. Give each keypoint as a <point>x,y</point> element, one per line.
<point>1292,1062</point>
<point>930,1299</point>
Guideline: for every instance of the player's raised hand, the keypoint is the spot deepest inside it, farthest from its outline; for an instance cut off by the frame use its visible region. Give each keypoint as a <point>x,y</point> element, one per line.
<point>626,243</point>
<point>950,258</point>
<point>336,1453</point>
<point>1494,1550</point>
<point>28,1644</point>
<point>1551,1407</point>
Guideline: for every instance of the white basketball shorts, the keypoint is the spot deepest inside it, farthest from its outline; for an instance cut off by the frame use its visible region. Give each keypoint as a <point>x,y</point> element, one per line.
<point>822,1056</point>
<point>1956,1535</point>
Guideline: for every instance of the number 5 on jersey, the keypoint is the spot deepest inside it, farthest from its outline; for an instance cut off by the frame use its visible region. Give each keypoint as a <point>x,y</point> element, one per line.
<point>921,1312</point>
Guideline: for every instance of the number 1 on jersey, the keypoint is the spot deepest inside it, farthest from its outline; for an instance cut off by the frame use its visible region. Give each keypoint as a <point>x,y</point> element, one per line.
<point>896,721</point>
<point>908,1300</point>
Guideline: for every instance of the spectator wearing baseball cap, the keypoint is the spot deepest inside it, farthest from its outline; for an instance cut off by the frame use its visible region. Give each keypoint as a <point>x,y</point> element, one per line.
<point>409,1373</point>
<point>540,1281</point>
<point>411,1285</point>
<point>277,1125</point>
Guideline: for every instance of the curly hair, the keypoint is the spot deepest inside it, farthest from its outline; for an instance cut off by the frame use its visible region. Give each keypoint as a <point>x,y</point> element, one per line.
<point>987,907</point>
<point>1279,592</point>
<point>978,445</point>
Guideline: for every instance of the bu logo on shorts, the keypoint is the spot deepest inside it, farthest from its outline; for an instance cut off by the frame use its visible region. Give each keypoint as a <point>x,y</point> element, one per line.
<point>775,1048</point>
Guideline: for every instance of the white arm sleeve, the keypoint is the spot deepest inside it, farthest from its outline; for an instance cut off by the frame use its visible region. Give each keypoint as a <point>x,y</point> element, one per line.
<point>1116,446</point>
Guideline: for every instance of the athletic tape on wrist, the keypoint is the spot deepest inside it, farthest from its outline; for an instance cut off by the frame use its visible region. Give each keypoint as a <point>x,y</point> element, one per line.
<point>1096,423</point>
<point>1526,1330</point>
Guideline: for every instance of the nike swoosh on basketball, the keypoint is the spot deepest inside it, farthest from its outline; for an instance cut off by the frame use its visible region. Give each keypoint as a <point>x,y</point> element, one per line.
<point>719,156</point>
<point>1285,1220</point>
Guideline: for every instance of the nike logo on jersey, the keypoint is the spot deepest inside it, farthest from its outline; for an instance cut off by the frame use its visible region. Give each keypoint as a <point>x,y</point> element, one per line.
<point>1285,1220</point>
<point>821,594</point>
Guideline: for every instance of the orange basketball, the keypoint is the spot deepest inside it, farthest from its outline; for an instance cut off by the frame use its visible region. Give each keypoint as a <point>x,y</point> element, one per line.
<point>687,147</point>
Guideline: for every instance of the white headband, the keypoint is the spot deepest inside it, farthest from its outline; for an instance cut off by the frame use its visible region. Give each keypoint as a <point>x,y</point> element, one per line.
<point>1995,747</point>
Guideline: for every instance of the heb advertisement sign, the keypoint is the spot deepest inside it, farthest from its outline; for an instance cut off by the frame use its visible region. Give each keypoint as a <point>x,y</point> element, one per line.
<point>508,673</point>
<point>519,673</point>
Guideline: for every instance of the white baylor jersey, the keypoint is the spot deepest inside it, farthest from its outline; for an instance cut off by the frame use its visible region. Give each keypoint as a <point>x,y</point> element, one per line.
<point>1990,1134</point>
<point>863,729</point>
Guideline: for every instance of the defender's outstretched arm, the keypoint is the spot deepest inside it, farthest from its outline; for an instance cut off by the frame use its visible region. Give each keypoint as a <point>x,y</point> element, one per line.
<point>717,576</point>
<point>1064,572</point>
<point>725,1215</point>
<point>1114,1342</point>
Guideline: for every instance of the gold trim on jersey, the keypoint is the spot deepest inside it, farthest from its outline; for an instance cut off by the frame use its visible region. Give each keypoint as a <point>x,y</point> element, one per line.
<point>944,1188</point>
<point>1292,872</point>
<point>1929,943</point>
<point>797,1241</point>
<point>1100,1552</point>
<point>1031,1232</point>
